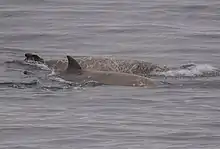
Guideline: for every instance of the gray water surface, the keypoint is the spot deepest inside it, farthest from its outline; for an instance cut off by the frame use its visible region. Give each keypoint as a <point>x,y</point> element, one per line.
<point>39,113</point>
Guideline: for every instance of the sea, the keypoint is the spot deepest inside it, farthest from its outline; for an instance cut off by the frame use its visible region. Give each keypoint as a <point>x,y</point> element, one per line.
<point>181,112</point>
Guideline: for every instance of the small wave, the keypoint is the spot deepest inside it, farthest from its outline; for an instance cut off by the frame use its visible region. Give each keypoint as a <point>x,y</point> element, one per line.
<point>19,62</point>
<point>28,63</point>
<point>56,88</point>
<point>20,85</point>
<point>192,70</point>
<point>42,85</point>
<point>91,83</point>
<point>57,79</point>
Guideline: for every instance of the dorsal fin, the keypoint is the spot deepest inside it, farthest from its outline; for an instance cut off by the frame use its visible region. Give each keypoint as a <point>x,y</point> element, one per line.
<point>73,65</point>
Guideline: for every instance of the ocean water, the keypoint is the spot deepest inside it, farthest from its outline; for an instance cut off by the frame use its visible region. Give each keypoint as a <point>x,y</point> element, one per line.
<point>37,112</point>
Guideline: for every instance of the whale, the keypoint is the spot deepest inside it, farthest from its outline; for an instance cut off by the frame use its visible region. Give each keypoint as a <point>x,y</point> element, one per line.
<point>103,63</point>
<point>75,73</point>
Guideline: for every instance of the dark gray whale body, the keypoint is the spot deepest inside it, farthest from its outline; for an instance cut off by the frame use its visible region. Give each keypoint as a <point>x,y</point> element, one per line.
<point>75,73</point>
<point>141,68</point>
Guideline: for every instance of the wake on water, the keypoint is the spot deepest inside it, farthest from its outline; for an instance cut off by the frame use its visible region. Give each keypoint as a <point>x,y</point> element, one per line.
<point>194,70</point>
<point>51,82</point>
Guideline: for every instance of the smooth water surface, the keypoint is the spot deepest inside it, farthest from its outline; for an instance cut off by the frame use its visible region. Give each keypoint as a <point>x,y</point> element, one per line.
<point>39,113</point>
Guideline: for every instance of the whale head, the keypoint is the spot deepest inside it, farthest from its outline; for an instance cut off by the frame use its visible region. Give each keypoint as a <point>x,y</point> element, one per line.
<point>33,57</point>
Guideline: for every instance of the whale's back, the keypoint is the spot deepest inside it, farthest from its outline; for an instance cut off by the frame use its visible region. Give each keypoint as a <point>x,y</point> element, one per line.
<point>109,64</point>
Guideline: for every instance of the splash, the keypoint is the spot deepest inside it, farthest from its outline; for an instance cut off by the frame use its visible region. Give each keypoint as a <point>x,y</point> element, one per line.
<point>60,80</point>
<point>49,81</point>
<point>39,65</point>
<point>192,70</point>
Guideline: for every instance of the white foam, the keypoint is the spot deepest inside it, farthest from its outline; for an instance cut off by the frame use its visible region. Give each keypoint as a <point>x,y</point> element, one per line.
<point>60,80</point>
<point>196,70</point>
<point>53,76</point>
<point>53,73</point>
<point>42,66</point>
<point>77,87</point>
